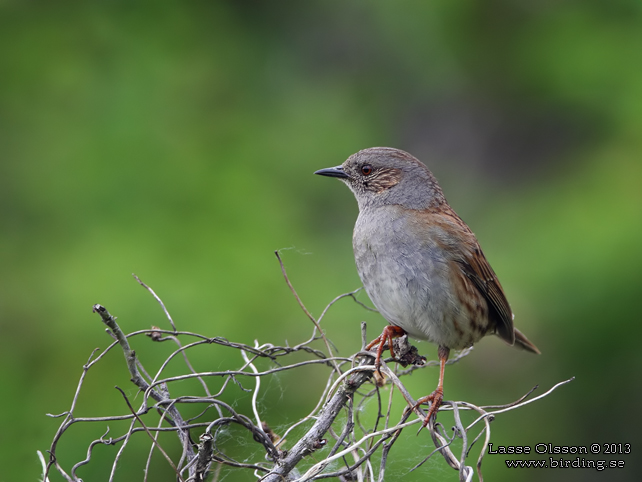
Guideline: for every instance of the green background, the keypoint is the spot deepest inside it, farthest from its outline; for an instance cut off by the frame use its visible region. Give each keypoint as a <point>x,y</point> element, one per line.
<point>177,141</point>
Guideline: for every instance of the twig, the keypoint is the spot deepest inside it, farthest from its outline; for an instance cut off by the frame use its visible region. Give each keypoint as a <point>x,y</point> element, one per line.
<point>354,439</point>
<point>136,378</point>
<point>152,438</point>
<point>309,441</point>
<point>157,298</point>
<point>305,310</point>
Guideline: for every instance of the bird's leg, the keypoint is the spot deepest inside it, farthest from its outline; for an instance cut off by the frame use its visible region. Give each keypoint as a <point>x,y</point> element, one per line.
<point>436,397</point>
<point>389,333</point>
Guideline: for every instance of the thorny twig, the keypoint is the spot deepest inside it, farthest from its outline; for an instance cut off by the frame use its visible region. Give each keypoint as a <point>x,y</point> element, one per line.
<point>338,413</point>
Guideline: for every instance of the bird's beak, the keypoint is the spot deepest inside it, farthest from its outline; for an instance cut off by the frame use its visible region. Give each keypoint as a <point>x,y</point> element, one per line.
<point>333,172</point>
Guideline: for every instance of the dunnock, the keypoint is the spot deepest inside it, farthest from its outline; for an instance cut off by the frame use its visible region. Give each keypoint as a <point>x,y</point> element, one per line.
<point>420,264</point>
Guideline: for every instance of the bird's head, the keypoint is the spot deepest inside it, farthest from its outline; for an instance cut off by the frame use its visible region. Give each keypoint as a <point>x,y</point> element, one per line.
<point>381,176</point>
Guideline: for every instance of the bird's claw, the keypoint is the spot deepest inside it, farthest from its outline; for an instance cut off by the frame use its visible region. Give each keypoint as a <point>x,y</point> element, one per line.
<point>435,398</point>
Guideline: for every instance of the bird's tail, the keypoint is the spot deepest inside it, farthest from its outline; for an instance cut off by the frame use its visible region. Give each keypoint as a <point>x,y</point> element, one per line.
<point>524,343</point>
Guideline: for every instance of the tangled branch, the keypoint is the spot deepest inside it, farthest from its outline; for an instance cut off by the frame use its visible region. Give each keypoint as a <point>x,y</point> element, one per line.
<point>343,446</point>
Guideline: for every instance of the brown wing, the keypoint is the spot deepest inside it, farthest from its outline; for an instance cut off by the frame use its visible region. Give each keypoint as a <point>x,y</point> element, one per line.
<point>477,269</point>
<point>468,255</point>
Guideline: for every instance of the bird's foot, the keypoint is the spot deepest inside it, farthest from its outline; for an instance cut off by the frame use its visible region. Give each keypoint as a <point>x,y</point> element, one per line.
<point>387,335</point>
<point>435,399</point>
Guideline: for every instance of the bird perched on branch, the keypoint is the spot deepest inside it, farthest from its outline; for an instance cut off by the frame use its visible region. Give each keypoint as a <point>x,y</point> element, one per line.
<point>420,264</point>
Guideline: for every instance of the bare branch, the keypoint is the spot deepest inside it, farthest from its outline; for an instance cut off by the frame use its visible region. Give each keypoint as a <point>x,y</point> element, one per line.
<point>305,310</point>
<point>156,297</point>
<point>335,416</point>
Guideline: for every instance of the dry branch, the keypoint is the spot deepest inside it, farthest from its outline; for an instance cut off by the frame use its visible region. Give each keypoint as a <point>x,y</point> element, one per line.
<point>343,447</point>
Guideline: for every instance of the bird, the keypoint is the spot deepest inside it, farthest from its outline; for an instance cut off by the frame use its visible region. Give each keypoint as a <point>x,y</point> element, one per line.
<point>420,264</point>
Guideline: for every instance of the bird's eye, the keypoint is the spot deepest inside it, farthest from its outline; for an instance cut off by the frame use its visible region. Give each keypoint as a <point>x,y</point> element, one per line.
<point>366,169</point>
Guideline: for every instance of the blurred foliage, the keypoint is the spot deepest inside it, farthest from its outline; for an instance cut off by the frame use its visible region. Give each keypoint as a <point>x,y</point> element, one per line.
<point>177,140</point>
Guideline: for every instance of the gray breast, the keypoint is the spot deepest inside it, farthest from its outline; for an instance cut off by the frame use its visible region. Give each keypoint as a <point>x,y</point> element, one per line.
<point>406,276</point>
